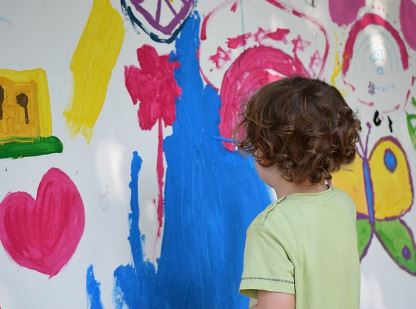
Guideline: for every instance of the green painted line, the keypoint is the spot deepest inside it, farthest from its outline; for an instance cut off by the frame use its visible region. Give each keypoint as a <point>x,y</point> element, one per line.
<point>412,128</point>
<point>30,147</point>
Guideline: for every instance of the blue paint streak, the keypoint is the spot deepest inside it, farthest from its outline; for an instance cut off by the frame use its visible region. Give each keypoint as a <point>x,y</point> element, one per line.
<point>223,139</point>
<point>211,196</point>
<point>369,191</point>
<point>93,290</point>
<point>5,20</point>
<point>390,160</point>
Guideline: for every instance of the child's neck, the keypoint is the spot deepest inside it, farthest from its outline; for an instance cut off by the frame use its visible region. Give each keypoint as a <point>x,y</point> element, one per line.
<point>284,187</point>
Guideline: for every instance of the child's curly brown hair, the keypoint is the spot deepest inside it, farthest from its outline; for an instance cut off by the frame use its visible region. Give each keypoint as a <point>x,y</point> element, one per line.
<point>302,126</point>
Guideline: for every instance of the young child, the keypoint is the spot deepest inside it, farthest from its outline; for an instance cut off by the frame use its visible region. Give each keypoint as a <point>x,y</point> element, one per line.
<point>301,251</point>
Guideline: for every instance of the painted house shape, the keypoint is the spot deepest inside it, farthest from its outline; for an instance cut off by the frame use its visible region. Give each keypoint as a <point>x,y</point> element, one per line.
<point>25,118</point>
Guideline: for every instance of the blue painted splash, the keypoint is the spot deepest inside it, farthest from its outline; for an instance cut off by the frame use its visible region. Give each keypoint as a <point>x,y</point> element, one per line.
<point>93,290</point>
<point>211,196</point>
<point>390,160</point>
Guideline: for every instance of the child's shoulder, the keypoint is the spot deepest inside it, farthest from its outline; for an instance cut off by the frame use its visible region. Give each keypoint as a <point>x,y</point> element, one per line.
<point>273,213</point>
<point>289,209</point>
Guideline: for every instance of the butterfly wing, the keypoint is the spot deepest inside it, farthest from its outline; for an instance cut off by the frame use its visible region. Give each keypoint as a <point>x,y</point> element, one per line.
<point>392,182</point>
<point>350,179</point>
<point>393,197</point>
<point>397,238</point>
<point>364,233</point>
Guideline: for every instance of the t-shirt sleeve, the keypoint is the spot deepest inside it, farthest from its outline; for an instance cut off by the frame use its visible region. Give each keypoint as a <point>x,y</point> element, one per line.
<point>266,263</point>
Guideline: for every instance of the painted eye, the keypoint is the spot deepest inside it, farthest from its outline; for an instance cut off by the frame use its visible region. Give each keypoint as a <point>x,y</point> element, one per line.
<point>390,160</point>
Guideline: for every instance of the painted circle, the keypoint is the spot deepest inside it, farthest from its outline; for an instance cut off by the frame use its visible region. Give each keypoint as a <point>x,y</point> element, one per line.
<point>390,160</point>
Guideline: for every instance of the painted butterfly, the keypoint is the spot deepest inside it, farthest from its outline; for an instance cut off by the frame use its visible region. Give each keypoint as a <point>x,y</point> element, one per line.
<point>381,186</point>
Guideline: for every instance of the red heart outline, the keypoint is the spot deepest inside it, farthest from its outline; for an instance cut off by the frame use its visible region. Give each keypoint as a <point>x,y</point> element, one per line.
<point>43,234</point>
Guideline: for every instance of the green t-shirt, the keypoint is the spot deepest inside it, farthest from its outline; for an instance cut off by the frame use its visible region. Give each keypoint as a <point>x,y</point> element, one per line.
<point>305,244</point>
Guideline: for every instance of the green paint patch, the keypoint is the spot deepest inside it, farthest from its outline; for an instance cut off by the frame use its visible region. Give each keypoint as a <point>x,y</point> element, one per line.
<point>397,238</point>
<point>414,101</point>
<point>411,127</point>
<point>364,233</point>
<point>30,147</point>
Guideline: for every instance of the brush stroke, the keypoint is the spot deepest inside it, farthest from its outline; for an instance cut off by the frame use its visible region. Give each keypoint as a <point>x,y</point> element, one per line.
<point>411,127</point>
<point>91,65</point>
<point>344,12</point>
<point>150,22</point>
<point>211,196</point>
<point>154,86</point>
<point>30,147</point>
<point>93,290</point>
<point>1,101</point>
<point>407,21</point>
<point>43,234</point>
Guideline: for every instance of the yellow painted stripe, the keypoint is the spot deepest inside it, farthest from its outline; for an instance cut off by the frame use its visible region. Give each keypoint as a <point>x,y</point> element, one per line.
<point>92,63</point>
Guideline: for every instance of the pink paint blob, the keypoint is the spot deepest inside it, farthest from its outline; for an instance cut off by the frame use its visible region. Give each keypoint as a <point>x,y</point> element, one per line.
<point>155,87</point>
<point>372,19</point>
<point>279,35</point>
<point>220,57</point>
<point>43,234</point>
<point>238,41</point>
<point>344,12</point>
<point>254,68</point>
<point>408,21</point>
<point>160,171</point>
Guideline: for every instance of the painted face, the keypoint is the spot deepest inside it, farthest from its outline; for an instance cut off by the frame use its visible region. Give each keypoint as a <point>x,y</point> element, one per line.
<point>237,64</point>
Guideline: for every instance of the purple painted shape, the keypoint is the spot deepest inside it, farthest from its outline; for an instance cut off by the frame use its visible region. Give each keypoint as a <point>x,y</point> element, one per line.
<point>344,12</point>
<point>406,252</point>
<point>154,19</point>
<point>407,21</point>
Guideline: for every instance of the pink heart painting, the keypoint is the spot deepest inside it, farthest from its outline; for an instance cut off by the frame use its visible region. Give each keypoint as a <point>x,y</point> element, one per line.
<point>43,234</point>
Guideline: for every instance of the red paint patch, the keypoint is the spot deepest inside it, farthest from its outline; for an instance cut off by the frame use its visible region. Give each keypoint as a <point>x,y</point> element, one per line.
<point>234,7</point>
<point>238,41</point>
<point>407,21</point>
<point>220,57</point>
<point>43,234</point>
<point>344,12</point>
<point>154,85</point>
<point>279,35</point>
